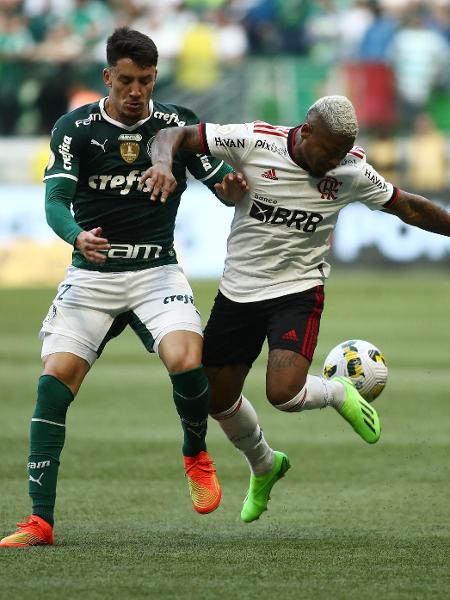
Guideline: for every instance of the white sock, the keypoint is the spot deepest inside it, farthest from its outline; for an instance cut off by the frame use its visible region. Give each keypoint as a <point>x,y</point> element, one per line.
<point>316,393</point>
<point>240,425</point>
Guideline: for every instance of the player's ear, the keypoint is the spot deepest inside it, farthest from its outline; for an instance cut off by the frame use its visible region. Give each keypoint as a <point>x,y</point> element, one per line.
<point>305,130</point>
<point>107,77</point>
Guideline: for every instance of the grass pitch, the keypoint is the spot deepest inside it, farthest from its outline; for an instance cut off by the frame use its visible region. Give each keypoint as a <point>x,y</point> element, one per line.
<point>349,521</point>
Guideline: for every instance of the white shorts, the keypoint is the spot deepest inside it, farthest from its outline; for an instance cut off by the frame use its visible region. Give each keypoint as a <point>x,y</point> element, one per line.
<point>91,307</point>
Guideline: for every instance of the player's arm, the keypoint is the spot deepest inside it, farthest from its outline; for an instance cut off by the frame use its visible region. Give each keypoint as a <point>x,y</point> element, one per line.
<point>61,180</point>
<point>421,212</point>
<point>232,188</point>
<point>59,193</point>
<point>159,178</point>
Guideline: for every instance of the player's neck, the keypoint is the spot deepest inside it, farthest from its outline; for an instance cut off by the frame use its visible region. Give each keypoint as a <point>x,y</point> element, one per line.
<point>113,114</point>
<point>296,149</point>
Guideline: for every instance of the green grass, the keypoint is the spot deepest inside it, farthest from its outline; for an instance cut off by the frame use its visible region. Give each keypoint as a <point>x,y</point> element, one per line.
<point>349,521</point>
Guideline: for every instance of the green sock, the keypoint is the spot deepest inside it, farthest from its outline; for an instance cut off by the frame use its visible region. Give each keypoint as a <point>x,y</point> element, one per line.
<point>47,434</point>
<point>191,397</point>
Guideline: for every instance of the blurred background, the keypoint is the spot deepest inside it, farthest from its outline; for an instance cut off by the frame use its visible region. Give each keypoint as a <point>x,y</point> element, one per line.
<point>232,61</point>
<point>125,527</point>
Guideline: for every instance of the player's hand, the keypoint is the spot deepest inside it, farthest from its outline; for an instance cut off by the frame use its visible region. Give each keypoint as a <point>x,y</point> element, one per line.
<point>90,244</point>
<point>160,181</point>
<point>233,187</point>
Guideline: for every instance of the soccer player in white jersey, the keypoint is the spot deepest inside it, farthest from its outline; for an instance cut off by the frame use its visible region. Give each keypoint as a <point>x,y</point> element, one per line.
<point>273,283</point>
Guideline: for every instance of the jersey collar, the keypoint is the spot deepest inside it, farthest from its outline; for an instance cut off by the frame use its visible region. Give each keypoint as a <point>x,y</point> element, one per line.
<point>122,125</point>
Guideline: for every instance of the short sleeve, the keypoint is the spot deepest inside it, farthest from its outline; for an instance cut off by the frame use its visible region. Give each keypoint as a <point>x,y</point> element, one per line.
<point>373,190</point>
<point>65,151</point>
<point>231,142</point>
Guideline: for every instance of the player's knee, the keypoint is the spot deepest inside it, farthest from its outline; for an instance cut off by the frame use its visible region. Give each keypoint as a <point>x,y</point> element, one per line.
<point>220,405</point>
<point>282,392</point>
<point>66,368</point>
<point>181,351</point>
<point>183,361</point>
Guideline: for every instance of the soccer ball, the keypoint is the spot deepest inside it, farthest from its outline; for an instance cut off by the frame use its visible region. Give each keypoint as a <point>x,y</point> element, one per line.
<point>362,362</point>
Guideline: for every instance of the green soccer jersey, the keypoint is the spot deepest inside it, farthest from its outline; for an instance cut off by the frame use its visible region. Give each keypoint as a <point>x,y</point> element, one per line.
<point>94,169</point>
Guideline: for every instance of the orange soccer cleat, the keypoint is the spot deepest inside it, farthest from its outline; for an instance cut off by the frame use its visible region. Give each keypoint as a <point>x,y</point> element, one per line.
<point>33,532</point>
<point>204,486</point>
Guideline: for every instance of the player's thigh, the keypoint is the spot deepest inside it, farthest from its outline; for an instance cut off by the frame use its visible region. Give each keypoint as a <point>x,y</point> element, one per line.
<point>234,334</point>
<point>67,367</point>
<point>285,376</point>
<point>293,330</point>
<point>162,303</point>
<point>84,315</point>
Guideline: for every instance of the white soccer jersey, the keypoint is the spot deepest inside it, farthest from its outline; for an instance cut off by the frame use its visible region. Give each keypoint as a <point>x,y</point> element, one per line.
<point>281,230</point>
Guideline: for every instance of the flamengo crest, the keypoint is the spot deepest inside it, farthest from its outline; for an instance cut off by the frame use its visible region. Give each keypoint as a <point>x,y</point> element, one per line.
<point>328,188</point>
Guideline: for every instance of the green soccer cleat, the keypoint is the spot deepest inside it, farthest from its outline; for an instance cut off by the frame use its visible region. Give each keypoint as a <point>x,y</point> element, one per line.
<point>258,494</point>
<point>359,413</point>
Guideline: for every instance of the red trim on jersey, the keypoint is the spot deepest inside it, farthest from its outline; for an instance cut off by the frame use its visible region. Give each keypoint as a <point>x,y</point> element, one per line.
<point>270,132</point>
<point>392,200</point>
<point>277,130</point>
<point>269,126</point>
<point>358,151</point>
<point>203,142</point>
<point>291,143</point>
<point>312,327</point>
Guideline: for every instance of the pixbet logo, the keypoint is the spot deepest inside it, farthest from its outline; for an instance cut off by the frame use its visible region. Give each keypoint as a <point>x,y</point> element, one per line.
<point>277,215</point>
<point>328,188</point>
<point>272,147</point>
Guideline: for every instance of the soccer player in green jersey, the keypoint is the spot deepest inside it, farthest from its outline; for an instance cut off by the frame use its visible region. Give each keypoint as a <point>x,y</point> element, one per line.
<point>124,269</point>
<point>272,285</point>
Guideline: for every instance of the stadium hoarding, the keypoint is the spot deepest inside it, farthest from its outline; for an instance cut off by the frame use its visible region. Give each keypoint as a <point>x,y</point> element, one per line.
<point>31,254</point>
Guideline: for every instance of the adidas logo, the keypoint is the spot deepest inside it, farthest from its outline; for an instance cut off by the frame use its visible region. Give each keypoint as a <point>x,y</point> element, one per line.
<point>290,335</point>
<point>368,411</point>
<point>270,174</point>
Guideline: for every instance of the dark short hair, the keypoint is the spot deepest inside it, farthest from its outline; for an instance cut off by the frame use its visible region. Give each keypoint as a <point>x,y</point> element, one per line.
<point>129,43</point>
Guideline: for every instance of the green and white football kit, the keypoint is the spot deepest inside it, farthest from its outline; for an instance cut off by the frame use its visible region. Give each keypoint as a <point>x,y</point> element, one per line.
<point>94,170</point>
<point>95,166</point>
<point>91,307</point>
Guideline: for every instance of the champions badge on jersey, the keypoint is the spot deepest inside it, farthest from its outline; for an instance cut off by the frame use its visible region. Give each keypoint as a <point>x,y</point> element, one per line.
<point>129,146</point>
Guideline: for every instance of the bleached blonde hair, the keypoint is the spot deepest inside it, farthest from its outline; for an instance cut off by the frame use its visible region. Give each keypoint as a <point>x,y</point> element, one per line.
<point>337,113</point>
